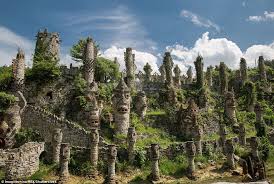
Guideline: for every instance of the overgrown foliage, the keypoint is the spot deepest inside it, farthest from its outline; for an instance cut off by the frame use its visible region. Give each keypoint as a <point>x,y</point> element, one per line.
<point>5,101</point>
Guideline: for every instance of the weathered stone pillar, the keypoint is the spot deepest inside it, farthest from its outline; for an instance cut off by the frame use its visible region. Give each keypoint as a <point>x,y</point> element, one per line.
<point>18,70</point>
<point>191,152</point>
<point>259,124</point>
<point>94,134</point>
<point>162,71</point>
<point>93,113</point>
<point>64,161</point>
<point>223,78</point>
<point>254,144</point>
<point>168,64</point>
<point>189,75</point>
<point>230,107</point>
<point>121,106</point>
<point>262,71</point>
<point>198,139</point>
<point>129,58</point>
<point>199,71</point>
<point>177,78</point>
<point>131,140</point>
<point>222,133</point>
<point>243,69</point>
<point>203,98</point>
<point>147,68</point>
<point>89,58</point>
<point>57,136</point>
<point>141,104</point>
<point>242,133</point>
<point>155,156</point>
<point>112,154</point>
<point>230,154</point>
<point>250,95</point>
<point>209,76</point>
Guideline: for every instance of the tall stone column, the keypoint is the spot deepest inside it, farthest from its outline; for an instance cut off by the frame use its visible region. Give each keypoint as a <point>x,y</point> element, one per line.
<point>222,133</point>
<point>177,78</point>
<point>242,133</point>
<point>230,107</point>
<point>89,59</point>
<point>259,124</point>
<point>199,71</point>
<point>243,69</point>
<point>64,161</point>
<point>155,156</point>
<point>18,70</point>
<point>112,154</point>
<point>198,139</point>
<point>147,68</point>
<point>262,71</point>
<point>223,78</point>
<point>191,152</point>
<point>162,71</point>
<point>209,76</point>
<point>168,64</point>
<point>230,154</point>
<point>141,104</point>
<point>189,74</point>
<point>94,134</point>
<point>250,95</point>
<point>130,68</point>
<point>254,144</point>
<point>57,136</point>
<point>131,140</point>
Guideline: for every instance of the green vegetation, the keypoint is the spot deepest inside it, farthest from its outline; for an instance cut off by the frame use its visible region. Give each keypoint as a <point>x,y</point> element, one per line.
<point>44,170</point>
<point>5,77</point>
<point>5,101</point>
<point>106,71</point>
<point>27,135</point>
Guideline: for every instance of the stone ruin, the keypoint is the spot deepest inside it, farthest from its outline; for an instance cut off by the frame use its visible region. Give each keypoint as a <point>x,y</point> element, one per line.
<point>89,59</point>
<point>141,104</point>
<point>131,140</point>
<point>230,109</point>
<point>112,156</point>
<point>130,68</point>
<point>177,78</point>
<point>18,70</point>
<point>168,64</point>
<point>199,72</point>
<point>154,157</point>
<point>223,78</point>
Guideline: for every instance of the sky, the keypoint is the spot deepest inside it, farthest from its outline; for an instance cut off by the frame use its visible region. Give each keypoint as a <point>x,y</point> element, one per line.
<point>219,30</point>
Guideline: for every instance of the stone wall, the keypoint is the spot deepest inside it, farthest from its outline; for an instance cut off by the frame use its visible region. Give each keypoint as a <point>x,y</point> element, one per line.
<point>21,162</point>
<point>45,122</point>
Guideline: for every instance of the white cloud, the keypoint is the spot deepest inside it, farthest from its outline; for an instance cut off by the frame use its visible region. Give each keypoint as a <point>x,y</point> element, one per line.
<point>198,20</point>
<point>267,16</point>
<point>10,42</point>
<point>141,58</point>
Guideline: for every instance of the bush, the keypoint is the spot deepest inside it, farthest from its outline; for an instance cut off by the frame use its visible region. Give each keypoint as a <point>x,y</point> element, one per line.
<point>173,167</point>
<point>5,78</point>
<point>5,101</point>
<point>27,135</point>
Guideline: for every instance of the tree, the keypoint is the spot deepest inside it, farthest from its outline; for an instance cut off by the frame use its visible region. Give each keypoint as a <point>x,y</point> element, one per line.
<point>106,70</point>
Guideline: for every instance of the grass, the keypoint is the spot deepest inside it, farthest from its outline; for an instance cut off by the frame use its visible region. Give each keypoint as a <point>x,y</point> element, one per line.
<point>155,113</point>
<point>44,170</point>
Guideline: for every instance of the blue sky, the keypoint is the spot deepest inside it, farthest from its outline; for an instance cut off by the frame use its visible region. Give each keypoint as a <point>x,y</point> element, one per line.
<point>218,29</point>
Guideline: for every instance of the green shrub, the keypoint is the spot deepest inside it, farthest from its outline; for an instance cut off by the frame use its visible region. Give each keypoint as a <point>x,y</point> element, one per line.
<point>5,78</point>
<point>173,167</point>
<point>27,135</point>
<point>5,101</point>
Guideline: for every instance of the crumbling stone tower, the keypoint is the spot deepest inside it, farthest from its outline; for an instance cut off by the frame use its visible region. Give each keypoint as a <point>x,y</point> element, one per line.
<point>243,69</point>
<point>163,73</point>
<point>223,78</point>
<point>47,46</point>
<point>148,70</point>
<point>189,74</point>
<point>262,71</point>
<point>199,71</point>
<point>209,76</point>
<point>130,67</point>
<point>177,78</point>
<point>131,140</point>
<point>18,70</point>
<point>168,64</point>
<point>94,134</point>
<point>121,106</point>
<point>141,104</point>
<point>89,59</point>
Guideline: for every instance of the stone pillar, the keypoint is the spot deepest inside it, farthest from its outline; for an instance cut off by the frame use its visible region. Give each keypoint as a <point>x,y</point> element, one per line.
<point>223,78</point>
<point>259,124</point>
<point>121,106</point>
<point>203,98</point>
<point>130,68</point>
<point>155,156</point>
<point>189,75</point>
<point>191,152</point>
<point>112,154</point>
<point>250,95</point>
<point>230,154</point>
<point>254,144</point>
<point>222,133</point>
<point>199,71</point>
<point>262,71</point>
<point>230,107</point>
<point>258,111</point>
<point>93,115</point>
<point>147,68</point>
<point>242,133</point>
<point>18,70</point>
<point>141,104</point>
<point>89,59</point>
<point>94,134</point>
<point>57,136</point>
<point>64,161</point>
<point>131,140</point>
<point>177,78</point>
<point>168,64</point>
<point>198,139</point>
<point>243,70</point>
<point>209,76</point>
<point>163,73</point>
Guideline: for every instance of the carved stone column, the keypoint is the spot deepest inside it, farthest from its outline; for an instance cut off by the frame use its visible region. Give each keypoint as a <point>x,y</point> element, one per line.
<point>242,133</point>
<point>64,161</point>
<point>57,136</point>
<point>155,156</point>
<point>131,140</point>
<point>94,134</point>
<point>112,154</point>
<point>230,154</point>
<point>254,144</point>
<point>191,152</point>
<point>222,133</point>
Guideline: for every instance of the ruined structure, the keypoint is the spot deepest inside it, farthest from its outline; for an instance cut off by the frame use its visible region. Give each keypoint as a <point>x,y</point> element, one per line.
<point>121,106</point>
<point>141,104</point>
<point>131,140</point>
<point>250,96</point>
<point>155,156</point>
<point>112,154</point>
<point>222,133</point>
<point>209,76</point>
<point>47,46</point>
<point>64,161</point>
<point>203,98</point>
<point>94,150</point>
<point>92,113</point>
<point>199,71</point>
<point>148,70</point>
<point>223,78</point>
<point>261,67</point>
<point>168,64</point>
<point>57,136</point>
<point>18,70</point>
<point>259,124</point>
<point>163,73</point>
<point>89,59</point>
<point>242,134</point>
<point>230,108</point>
<point>243,69</point>
<point>191,152</point>
<point>177,78</point>
<point>130,68</point>
<point>229,150</point>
